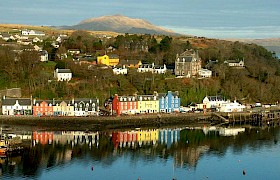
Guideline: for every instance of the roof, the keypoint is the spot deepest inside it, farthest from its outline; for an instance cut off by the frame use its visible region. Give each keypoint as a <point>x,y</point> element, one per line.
<point>63,70</point>
<point>12,101</point>
<point>128,62</point>
<point>113,56</point>
<point>215,98</point>
<point>233,61</point>
<point>146,66</point>
<point>188,56</point>
<point>78,100</point>
<point>43,52</point>
<point>147,97</point>
<point>159,67</point>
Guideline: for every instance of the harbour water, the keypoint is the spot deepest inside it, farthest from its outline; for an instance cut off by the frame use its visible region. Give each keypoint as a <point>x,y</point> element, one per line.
<point>167,153</point>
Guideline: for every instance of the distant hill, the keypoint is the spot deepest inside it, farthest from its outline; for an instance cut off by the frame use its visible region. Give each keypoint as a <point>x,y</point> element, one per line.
<point>271,44</point>
<point>120,24</point>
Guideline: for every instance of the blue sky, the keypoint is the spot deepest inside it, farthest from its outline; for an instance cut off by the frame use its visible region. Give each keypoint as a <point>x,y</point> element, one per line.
<point>210,18</point>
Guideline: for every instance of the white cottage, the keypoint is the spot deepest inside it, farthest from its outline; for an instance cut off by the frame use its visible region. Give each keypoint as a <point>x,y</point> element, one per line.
<point>16,106</point>
<point>120,70</point>
<point>205,73</point>
<point>63,74</point>
<point>213,101</point>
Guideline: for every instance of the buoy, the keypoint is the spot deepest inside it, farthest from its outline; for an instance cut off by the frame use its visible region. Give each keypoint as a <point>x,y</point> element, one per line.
<point>92,168</point>
<point>244,172</point>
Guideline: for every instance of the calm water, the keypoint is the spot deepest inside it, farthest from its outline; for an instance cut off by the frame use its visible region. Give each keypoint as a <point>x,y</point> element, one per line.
<point>180,153</point>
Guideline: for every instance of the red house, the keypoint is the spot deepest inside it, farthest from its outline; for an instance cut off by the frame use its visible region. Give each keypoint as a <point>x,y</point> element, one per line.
<point>42,108</point>
<point>124,105</point>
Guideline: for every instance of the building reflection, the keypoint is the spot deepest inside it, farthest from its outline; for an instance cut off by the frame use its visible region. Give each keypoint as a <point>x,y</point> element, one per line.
<point>185,146</point>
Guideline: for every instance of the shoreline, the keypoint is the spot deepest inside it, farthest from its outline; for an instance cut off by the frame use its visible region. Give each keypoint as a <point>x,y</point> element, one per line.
<point>105,122</point>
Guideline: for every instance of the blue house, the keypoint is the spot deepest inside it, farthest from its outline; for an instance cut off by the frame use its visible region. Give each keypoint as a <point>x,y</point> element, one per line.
<point>169,102</point>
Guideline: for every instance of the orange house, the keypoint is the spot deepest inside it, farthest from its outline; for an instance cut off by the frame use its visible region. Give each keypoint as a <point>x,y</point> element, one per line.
<point>42,108</point>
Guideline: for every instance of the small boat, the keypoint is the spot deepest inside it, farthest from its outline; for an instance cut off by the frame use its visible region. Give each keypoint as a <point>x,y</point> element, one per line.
<point>3,149</point>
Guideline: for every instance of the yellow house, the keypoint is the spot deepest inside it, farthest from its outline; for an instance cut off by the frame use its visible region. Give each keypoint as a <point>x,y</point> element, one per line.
<point>148,104</point>
<point>109,60</point>
<point>147,136</point>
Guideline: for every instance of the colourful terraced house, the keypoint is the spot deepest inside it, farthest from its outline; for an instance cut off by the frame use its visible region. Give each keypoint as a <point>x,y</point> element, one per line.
<point>169,102</point>
<point>148,103</point>
<point>123,105</point>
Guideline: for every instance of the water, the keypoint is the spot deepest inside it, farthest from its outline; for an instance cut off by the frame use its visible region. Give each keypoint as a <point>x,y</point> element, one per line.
<point>181,153</point>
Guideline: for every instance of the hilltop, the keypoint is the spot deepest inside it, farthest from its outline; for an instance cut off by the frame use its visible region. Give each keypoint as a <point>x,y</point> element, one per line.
<point>120,24</point>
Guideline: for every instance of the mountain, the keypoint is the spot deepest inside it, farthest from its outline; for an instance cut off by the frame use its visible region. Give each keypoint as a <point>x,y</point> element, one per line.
<point>120,24</point>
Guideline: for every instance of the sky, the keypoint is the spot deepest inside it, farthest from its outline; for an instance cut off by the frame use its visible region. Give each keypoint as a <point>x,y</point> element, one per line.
<point>208,18</point>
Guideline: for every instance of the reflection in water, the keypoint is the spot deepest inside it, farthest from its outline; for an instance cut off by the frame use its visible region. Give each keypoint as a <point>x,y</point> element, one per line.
<point>52,150</point>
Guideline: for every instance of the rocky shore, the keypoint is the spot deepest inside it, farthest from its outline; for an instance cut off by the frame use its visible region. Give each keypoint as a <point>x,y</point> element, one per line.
<point>105,122</point>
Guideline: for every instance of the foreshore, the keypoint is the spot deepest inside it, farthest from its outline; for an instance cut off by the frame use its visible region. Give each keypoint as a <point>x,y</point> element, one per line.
<point>105,122</point>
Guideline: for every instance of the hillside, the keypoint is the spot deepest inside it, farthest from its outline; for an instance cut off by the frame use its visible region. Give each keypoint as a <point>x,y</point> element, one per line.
<point>120,24</point>
<point>258,82</point>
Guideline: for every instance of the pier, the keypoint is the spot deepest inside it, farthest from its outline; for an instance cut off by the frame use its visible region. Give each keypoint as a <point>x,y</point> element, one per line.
<point>269,118</point>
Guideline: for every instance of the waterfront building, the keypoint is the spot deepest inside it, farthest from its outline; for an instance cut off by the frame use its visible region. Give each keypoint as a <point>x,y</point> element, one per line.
<point>124,105</point>
<point>16,106</point>
<point>187,64</point>
<point>109,60</point>
<point>63,108</point>
<point>86,107</point>
<point>169,102</point>
<point>42,108</point>
<point>231,107</point>
<point>148,103</point>
<point>213,101</point>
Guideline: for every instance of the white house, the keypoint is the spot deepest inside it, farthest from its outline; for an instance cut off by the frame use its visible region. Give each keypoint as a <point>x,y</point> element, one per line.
<point>158,69</point>
<point>235,63</point>
<point>120,70</point>
<point>205,73</point>
<point>36,39</point>
<point>63,74</point>
<point>16,106</point>
<point>44,57</point>
<point>231,107</point>
<point>74,51</point>
<point>27,32</point>
<point>213,101</point>
<point>146,68</point>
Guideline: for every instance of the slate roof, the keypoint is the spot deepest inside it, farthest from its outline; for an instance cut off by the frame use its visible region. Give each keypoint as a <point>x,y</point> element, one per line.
<point>215,98</point>
<point>12,101</point>
<point>146,66</point>
<point>63,70</point>
<point>128,62</point>
<point>147,97</point>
